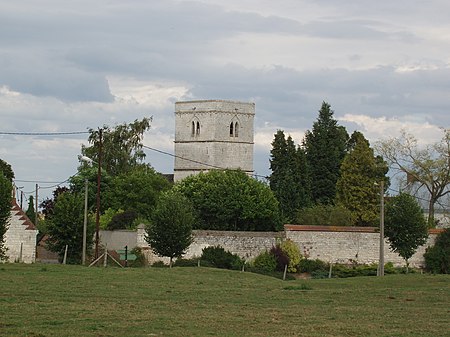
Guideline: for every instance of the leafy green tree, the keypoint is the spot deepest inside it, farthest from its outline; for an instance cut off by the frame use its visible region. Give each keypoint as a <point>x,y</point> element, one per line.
<point>290,176</point>
<point>136,190</point>
<point>325,148</point>
<point>437,257</point>
<point>231,200</point>
<point>5,211</point>
<point>30,212</point>
<point>325,215</point>
<point>122,220</point>
<point>426,167</point>
<point>355,188</point>
<point>170,231</point>
<point>65,227</point>
<point>7,170</point>
<point>121,146</point>
<point>405,225</point>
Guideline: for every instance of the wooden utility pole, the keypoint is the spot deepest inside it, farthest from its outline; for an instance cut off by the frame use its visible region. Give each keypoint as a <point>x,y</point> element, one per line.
<point>36,203</point>
<point>381,259</point>
<point>83,259</point>
<point>99,173</point>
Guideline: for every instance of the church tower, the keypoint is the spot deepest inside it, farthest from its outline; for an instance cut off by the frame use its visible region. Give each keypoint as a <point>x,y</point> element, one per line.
<point>213,134</point>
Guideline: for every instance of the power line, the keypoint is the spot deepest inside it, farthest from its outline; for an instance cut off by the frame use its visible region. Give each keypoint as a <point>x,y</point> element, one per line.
<point>44,133</point>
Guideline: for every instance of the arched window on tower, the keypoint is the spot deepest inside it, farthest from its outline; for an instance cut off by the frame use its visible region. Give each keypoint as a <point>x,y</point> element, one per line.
<point>193,129</point>
<point>198,128</point>
<point>231,130</point>
<point>236,129</point>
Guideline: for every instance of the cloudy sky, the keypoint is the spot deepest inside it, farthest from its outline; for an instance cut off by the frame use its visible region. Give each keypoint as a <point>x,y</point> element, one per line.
<point>68,66</point>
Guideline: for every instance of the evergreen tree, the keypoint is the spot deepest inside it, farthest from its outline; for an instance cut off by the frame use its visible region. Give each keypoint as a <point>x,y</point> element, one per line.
<point>355,188</point>
<point>325,148</point>
<point>30,212</point>
<point>289,179</point>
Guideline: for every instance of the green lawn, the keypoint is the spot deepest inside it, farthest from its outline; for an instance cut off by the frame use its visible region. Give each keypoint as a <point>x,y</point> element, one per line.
<point>56,300</point>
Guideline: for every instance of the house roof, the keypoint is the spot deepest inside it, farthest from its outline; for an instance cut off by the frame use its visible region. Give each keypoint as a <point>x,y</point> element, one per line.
<point>17,211</point>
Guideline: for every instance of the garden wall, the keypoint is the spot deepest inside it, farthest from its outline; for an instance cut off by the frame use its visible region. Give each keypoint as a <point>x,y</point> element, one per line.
<point>327,243</point>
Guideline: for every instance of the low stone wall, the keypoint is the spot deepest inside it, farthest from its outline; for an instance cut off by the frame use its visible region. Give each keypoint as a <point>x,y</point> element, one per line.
<point>327,243</point>
<point>349,245</point>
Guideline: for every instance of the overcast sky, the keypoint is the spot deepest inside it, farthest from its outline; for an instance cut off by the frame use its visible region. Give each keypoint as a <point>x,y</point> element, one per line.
<point>68,66</point>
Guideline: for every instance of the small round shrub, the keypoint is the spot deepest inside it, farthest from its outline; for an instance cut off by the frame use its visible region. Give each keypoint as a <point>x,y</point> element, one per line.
<point>265,262</point>
<point>437,257</point>
<point>281,257</point>
<point>186,262</point>
<point>220,258</point>
<point>312,266</point>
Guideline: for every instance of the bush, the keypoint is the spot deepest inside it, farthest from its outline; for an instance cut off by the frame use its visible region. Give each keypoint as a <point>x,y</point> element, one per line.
<point>220,258</point>
<point>186,262</point>
<point>140,258</point>
<point>325,215</point>
<point>281,257</point>
<point>292,251</point>
<point>159,264</point>
<point>265,262</point>
<point>437,257</point>
<point>313,266</point>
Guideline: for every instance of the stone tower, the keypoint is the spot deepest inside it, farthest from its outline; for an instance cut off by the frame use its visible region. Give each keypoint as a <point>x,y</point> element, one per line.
<point>213,134</point>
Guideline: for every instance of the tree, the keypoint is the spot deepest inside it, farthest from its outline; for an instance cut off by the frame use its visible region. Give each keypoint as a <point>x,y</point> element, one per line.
<point>65,227</point>
<point>30,212</point>
<point>437,257</point>
<point>48,204</point>
<point>231,200</point>
<point>325,148</point>
<point>427,167</point>
<point>405,226</point>
<point>5,211</point>
<point>121,146</point>
<point>289,180</point>
<point>355,188</point>
<point>170,231</point>
<point>7,170</point>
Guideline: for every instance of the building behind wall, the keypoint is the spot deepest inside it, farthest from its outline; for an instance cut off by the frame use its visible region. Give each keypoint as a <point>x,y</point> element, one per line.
<point>213,134</point>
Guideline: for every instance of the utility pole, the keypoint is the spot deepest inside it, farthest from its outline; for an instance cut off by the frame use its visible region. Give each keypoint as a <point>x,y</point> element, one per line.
<point>36,203</point>
<point>381,259</point>
<point>99,173</point>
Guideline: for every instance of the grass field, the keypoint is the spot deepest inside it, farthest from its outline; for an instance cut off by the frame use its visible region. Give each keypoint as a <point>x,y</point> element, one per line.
<point>56,300</point>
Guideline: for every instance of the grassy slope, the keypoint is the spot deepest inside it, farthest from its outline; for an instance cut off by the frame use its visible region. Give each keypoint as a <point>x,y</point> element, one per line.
<point>37,300</point>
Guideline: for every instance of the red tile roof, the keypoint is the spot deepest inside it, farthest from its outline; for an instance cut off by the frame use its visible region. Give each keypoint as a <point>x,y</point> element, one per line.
<point>23,217</point>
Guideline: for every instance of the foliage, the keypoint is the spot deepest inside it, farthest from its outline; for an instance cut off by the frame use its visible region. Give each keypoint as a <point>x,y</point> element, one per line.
<point>311,266</point>
<point>427,167</point>
<point>107,216</point>
<point>437,257</point>
<point>290,176</point>
<point>5,211</point>
<point>48,204</point>
<point>140,260</point>
<point>193,262</point>
<point>231,200</point>
<point>122,220</point>
<point>170,231</point>
<point>325,215</point>
<point>65,227</point>
<point>325,148</point>
<point>281,257</point>
<point>405,226</point>
<point>355,188</point>
<point>121,146</point>
<point>136,190</point>
<point>220,258</point>
<point>7,170</point>
<point>265,262</point>
<point>292,251</point>
<point>30,212</point>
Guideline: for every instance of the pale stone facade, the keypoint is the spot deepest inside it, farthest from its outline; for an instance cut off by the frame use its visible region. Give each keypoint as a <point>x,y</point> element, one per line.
<point>20,238</point>
<point>213,134</point>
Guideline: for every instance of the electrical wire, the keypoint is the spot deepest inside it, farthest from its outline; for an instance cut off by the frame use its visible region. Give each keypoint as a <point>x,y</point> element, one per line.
<point>44,133</point>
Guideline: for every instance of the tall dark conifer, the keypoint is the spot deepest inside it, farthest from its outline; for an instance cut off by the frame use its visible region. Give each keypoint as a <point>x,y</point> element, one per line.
<point>325,148</point>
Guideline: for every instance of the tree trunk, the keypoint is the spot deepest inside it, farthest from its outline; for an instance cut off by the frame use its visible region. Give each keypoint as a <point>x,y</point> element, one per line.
<point>431,223</point>
<point>170,262</point>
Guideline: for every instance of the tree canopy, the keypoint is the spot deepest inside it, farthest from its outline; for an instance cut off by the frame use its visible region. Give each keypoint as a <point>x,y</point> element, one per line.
<point>170,231</point>
<point>425,167</point>
<point>360,172</point>
<point>7,170</point>
<point>231,200</point>
<point>5,210</point>
<point>289,180</point>
<point>325,147</point>
<point>405,225</point>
